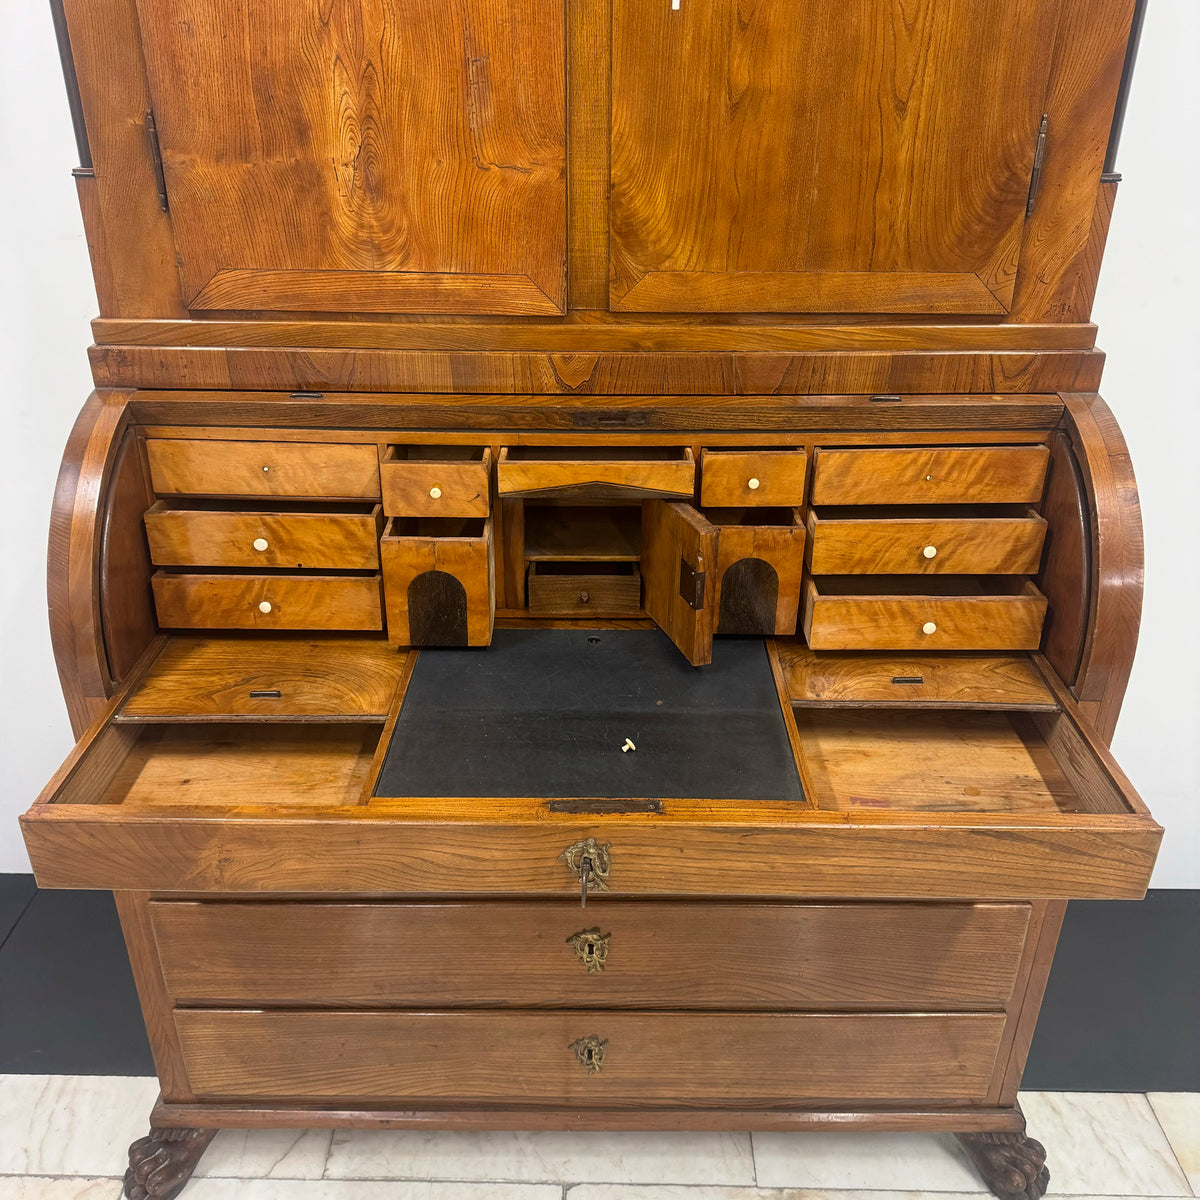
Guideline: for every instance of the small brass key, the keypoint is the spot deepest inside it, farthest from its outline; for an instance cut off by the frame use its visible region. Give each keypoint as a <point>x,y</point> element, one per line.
<point>585,869</point>
<point>591,863</point>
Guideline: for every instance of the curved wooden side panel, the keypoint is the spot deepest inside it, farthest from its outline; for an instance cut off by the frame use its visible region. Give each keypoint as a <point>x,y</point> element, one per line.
<point>73,561</point>
<point>1116,554</point>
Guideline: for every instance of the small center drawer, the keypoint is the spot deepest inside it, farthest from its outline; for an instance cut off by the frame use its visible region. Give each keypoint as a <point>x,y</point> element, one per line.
<point>597,472</point>
<point>585,589</point>
<point>732,478</point>
<point>313,470</point>
<point>336,539</point>
<point>888,612</point>
<point>930,475</point>
<point>436,481</point>
<point>194,601</point>
<point>952,541</point>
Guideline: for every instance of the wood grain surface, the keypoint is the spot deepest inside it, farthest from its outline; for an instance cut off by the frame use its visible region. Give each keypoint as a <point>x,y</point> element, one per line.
<point>779,477</point>
<point>676,537</point>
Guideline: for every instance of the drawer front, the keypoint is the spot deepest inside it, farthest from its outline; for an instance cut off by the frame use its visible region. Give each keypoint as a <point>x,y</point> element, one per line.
<point>730,479</point>
<point>860,622</point>
<point>589,1057</point>
<point>315,541</point>
<point>303,469</point>
<point>420,488</point>
<point>959,475</point>
<point>616,474</point>
<point>759,568</point>
<point>267,601</point>
<point>971,546</point>
<point>615,591</point>
<point>621,954</point>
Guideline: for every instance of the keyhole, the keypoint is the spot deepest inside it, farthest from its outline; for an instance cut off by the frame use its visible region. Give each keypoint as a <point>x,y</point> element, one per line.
<point>591,1054</point>
<point>589,951</point>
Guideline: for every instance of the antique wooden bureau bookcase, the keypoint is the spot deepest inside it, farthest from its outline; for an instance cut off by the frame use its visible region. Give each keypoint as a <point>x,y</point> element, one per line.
<point>642,452</point>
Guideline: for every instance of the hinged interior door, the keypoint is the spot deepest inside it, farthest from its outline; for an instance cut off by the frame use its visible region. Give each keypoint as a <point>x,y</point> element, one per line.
<point>679,561</point>
<point>802,156</point>
<point>363,155</point>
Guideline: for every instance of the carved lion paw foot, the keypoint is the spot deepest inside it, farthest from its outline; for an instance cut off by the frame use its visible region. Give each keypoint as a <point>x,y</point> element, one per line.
<point>161,1163</point>
<point>1011,1164</point>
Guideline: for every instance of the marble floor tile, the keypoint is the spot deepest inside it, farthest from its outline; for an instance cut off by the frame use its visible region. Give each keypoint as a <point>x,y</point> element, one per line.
<point>864,1161</point>
<point>71,1124</point>
<point>698,1158</point>
<point>359,1189</point>
<point>266,1154</point>
<point>1105,1144</point>
<point>1179,1115</point>
<point>41,1187</point>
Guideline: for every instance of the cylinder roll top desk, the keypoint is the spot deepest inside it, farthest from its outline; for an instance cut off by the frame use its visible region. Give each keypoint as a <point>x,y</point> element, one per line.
<point>595,584</point>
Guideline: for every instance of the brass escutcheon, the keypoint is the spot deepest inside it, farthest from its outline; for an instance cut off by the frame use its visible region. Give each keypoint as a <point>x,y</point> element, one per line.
<point>590,1052</point>
<point>596,855</point>
<point>592,947</point>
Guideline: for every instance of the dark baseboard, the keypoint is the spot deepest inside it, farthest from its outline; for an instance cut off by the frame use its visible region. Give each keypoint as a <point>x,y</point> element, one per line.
<point>1119,1016</point>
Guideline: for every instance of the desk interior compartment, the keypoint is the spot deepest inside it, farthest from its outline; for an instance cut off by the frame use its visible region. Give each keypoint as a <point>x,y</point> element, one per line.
<point>760,563</point>
<point>597,473</point>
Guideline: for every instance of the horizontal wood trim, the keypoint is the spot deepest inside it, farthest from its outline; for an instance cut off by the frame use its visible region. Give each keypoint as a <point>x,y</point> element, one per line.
<point>372,291</point>
<point>638,413</point>
<point>868,372</point>
<point>655,955</point>
<point>649,1059</point>
<point>810,291</point>
<point>595,332</point>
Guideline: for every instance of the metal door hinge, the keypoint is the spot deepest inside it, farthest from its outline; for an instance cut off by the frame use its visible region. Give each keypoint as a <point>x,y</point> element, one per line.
<point>160,178</point>
<point>1039,154</point>
<point>691,584</point>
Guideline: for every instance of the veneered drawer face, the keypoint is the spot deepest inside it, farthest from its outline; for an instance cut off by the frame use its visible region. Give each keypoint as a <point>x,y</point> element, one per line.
<point>188,601</point>
<point>615,954</point>
<point>585,589</point>
<point>589,1057</point>
<point>312,540</point>
<point>196,467</point>
<point>850,541</point>
<point>930,475</point>
<point>850,612</point>
<point>597,472</point>
<point>436,481</point>
<point>732,478</point>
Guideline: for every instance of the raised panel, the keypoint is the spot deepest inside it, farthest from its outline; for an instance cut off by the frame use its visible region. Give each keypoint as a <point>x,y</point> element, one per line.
<point>375,156</point>
<point>790,155</point>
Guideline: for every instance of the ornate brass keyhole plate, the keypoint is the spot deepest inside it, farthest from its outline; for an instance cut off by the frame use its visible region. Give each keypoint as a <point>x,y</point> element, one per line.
<point>592,947</point>
<point>597,858</point>
<point>590,1051</point>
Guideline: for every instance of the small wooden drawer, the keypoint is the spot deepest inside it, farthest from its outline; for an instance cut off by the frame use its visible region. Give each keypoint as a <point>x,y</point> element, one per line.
<point>583,589</point>
<point>847,541</point>
<point>187,601</point>
<point>630,954</point>
<point>439,581</point>
<point>930,475</point>
<point>731,478</point>
<point>312,470</point>
<point>436,481</point>
<point>760,562</point>
<point>590,1057</point>
<point>182,535</point>
<point>850,612</point>
<point>597,472</point>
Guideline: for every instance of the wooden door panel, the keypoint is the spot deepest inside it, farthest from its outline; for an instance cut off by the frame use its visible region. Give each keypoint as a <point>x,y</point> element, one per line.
<point>363,155</point>
<point>679,563</point>
<point>790,155</point>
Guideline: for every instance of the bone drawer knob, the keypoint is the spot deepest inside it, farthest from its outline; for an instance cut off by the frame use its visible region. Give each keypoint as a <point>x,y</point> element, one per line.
<point>264,606</point>
<point>930,552</point>
<point>260,544</point>
<point>435,493</point>
<point>754,485</point>
<point>929,627</point>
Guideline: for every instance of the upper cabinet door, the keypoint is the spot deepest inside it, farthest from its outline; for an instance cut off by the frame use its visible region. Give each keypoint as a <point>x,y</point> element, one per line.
<point>367,156</point>
<point>808,156</point>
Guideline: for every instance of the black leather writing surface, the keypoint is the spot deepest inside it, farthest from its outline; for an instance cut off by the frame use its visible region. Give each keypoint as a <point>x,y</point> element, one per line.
<point>545,712</point>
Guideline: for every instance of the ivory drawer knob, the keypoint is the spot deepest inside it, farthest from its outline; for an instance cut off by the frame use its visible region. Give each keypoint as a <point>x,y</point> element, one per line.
<point>435,493</point>
<point>264,606</point>
<point>929,627</point>
<point>754,485</point>
<point>266,469</point>
<point>930,552</point>
<point>260,544</point>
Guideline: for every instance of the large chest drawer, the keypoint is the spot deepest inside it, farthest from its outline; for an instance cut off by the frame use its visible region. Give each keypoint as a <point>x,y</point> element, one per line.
<point>589,1057</point>
<point>615,953</point>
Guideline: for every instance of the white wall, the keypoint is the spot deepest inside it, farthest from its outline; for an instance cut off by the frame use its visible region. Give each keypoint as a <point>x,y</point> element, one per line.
<point>1147,310</point>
